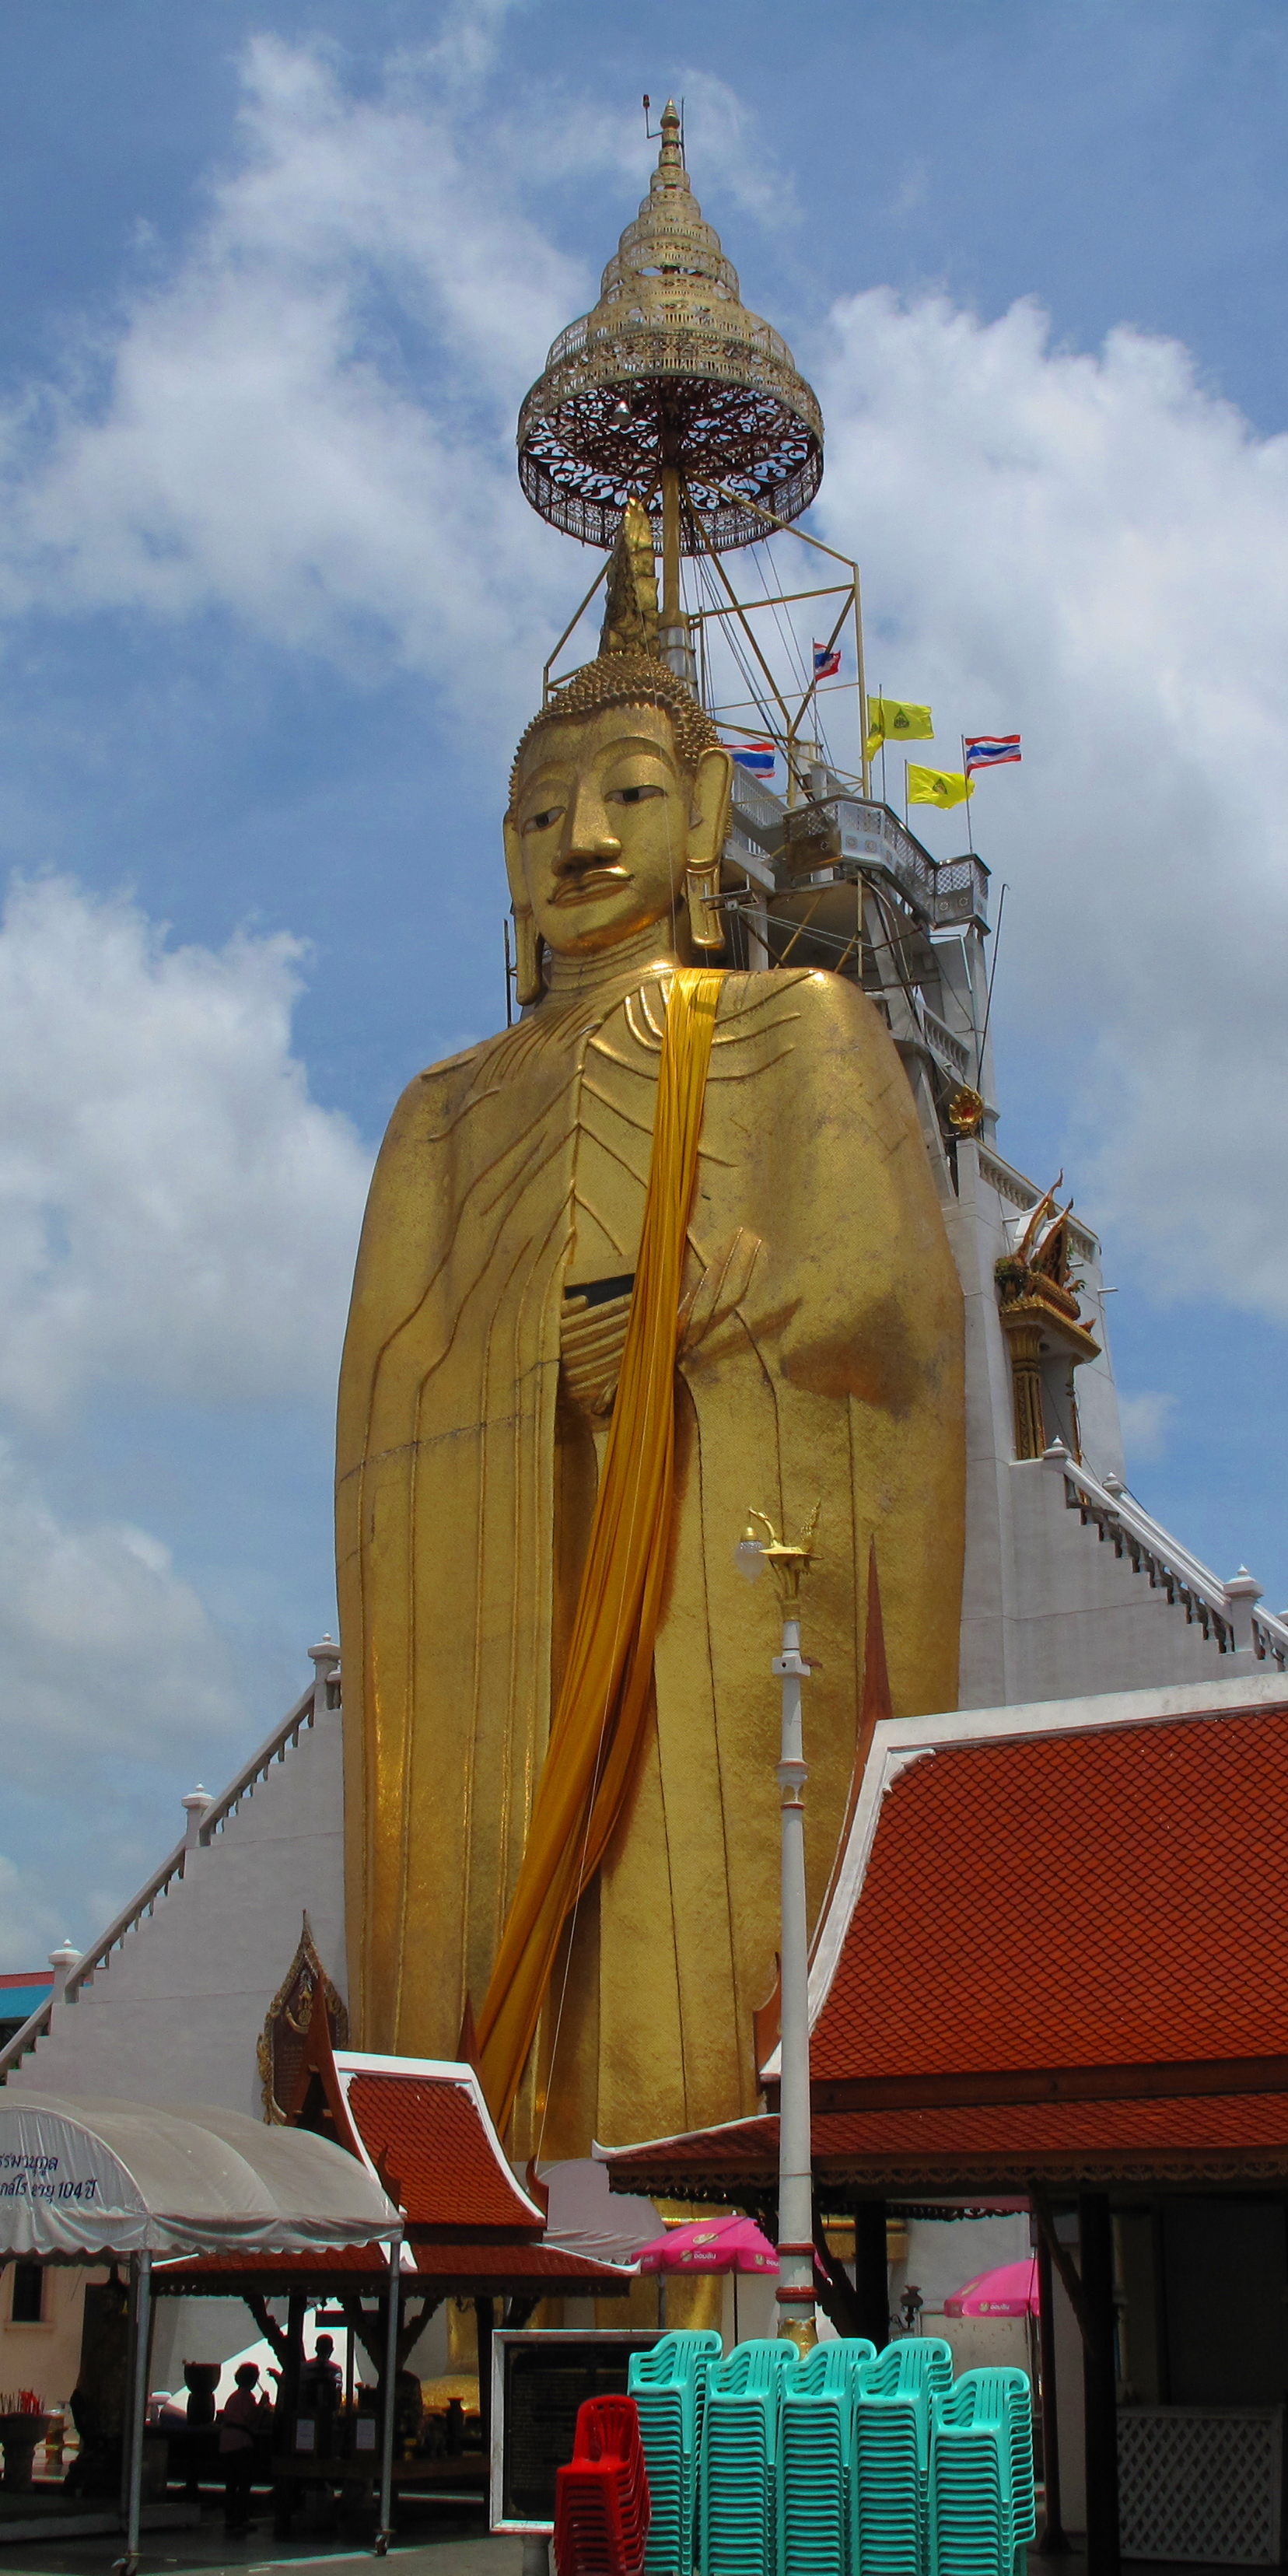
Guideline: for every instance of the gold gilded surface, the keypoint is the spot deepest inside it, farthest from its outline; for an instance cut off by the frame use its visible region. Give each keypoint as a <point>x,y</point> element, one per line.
<point>820,1360</point>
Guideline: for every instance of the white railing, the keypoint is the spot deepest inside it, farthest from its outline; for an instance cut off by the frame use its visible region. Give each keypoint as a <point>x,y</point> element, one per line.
<point>1227,1613</point>
<point>946,1044</point>
<point>206,1819</point>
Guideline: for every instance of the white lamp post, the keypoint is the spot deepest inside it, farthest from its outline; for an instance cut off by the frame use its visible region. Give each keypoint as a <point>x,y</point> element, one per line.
<point>795,2173</point>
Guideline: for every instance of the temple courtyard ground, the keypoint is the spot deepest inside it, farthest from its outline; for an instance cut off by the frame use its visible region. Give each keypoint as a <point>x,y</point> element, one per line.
<point>459,2553</point>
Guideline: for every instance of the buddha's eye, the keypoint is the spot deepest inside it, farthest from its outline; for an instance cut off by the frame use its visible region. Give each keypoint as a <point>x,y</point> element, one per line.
<point>542,822</point>
<point>631,795</point>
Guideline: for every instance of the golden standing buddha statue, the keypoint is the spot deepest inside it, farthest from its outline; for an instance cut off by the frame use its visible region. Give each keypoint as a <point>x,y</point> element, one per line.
<point>666,1250</point>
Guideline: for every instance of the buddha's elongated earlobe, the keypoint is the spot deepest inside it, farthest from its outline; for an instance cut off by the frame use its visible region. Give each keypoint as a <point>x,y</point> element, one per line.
<point>528,986</point>
<point>702,887</point>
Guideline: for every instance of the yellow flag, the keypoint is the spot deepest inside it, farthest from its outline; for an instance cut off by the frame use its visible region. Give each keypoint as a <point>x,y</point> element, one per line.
<point>892,720</point>
<point>937,786</point>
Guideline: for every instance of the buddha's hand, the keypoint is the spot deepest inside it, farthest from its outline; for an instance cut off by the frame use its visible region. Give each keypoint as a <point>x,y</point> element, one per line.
<point>592,1338</point>
<point>591,1342</point>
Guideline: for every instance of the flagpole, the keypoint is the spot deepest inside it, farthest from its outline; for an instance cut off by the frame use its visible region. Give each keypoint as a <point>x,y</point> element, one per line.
<point>907,824</point>
<point>860,674</point>
<point>881,721</point>
<point>970,827</point>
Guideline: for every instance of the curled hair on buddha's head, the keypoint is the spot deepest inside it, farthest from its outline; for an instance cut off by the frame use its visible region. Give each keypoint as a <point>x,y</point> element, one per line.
<point>630,679</point>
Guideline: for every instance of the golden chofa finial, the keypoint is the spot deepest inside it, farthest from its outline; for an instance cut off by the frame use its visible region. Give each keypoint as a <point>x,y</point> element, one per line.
<point>672,152</point>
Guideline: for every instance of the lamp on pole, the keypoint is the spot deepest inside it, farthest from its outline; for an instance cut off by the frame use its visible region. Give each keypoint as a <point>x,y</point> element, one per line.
<point>788,1565</point>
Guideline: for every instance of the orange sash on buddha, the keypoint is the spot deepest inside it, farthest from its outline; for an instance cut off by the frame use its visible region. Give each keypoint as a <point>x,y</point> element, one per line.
<point>602,1706</point>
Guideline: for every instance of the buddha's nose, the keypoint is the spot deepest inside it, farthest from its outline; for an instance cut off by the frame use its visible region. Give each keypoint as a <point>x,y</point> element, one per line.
<point>588,836</point>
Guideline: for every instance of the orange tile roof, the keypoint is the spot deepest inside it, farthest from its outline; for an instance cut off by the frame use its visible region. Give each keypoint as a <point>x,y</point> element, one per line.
<point>458,2267</point>
<point>425,2135</point>
<point>1097,1898</point>
<point>978,2147</point>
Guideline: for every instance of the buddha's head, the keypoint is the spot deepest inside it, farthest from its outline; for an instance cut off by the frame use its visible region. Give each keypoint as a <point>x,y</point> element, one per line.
<point>619,806</point>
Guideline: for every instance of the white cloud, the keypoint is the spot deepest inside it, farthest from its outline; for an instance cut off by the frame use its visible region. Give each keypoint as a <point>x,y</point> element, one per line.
<point>177,1216</point>
<point>729,156</point>
<point>108,1654</point>
<point>118,1692</point>
<point>467,43</point>
<point>1094,550</point>
<point>310,420</point>
<point>1146,1419</point>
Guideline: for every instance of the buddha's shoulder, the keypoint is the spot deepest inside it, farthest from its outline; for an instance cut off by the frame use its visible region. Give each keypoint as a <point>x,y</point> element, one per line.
<point>806,1005</point>
<point>443,1089</point>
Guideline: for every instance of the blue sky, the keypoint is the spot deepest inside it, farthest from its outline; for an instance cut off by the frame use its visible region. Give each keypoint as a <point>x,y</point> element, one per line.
<point>272,612</point>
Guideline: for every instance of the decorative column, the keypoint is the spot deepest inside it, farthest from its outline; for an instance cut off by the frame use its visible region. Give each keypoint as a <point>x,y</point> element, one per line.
<point>194,1808</point>
<point>62,1961</point>
<point>1242,1593</point>
<point>1099,2381</point>
<point>872,2272</point>
<point>325,1659</point>
<point>795,2166</point>
<point>1026,1349</point>
<point>1053,2542</point>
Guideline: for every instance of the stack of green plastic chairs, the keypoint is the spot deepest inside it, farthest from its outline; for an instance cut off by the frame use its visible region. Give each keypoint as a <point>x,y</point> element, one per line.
<point>816,2488</point>
<point>668,2384</point>
<point>892,2452</point>
<point>981,2475</point>
<point>737,2494</point>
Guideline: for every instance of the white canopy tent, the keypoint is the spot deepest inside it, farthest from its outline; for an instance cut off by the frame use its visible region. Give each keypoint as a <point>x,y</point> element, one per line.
<point>84,2182</point>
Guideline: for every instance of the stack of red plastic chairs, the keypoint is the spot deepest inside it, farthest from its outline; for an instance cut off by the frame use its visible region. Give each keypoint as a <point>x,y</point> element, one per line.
<point>601,2497</point>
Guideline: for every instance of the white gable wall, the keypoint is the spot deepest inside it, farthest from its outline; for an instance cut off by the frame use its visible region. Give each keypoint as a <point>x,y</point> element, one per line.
<point>175,2014</point>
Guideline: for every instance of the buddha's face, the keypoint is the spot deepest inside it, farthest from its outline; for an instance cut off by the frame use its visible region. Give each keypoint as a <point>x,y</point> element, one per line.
<point>604,824</point>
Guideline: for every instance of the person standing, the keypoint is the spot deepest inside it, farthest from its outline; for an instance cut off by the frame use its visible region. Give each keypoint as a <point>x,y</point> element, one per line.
<point>241,2421</point>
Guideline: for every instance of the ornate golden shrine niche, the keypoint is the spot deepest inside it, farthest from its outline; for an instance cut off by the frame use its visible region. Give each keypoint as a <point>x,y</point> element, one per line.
<point>1044,1330</point>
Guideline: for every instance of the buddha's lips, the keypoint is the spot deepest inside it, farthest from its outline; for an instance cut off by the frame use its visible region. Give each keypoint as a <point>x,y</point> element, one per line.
<point>594,881</point>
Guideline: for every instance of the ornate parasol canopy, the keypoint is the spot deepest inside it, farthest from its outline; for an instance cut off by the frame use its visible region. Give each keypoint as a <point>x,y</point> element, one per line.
<point>670,372</point>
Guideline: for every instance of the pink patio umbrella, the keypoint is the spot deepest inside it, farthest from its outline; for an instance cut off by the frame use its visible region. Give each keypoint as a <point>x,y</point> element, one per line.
<point>709,2245</point>
<point>1010,2290</point>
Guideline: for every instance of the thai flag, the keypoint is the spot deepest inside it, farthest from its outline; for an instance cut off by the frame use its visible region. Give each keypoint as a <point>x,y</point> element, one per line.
<point>989,750</point>
<point>827,661</point>
<point>756,756</point>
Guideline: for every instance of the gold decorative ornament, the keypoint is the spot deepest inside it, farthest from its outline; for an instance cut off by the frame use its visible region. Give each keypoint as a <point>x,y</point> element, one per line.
<point>788,1560</point>
<point>670,372</point>
<point>966,1110</point>
<point>1044,1330</point>
<point>280,2047</point>
<point>630,610</point>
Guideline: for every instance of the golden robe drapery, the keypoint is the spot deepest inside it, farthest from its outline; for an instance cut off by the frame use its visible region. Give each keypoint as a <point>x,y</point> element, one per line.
<point>820,1358</point>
